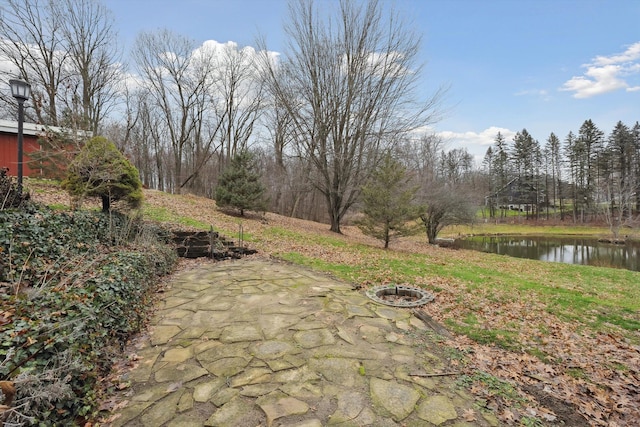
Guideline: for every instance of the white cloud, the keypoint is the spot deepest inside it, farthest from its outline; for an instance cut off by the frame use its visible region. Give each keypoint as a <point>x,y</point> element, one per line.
<point>631,54</point>
<point>474,140</point>
<point>537,93</point>
<point>6,67</point>
<point>476,143</point>
<point>533,92</point>
<point>606,74</point>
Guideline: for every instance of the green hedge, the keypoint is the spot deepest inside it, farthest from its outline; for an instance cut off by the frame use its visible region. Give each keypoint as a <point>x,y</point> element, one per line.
<point>75,287</point>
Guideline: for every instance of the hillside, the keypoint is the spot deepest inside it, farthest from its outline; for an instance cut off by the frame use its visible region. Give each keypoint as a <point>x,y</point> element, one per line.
<point>565,338</point>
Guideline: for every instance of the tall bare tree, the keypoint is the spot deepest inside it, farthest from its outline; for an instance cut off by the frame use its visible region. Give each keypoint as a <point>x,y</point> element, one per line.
<point>287,174</point>
<point>88,32</point>
<point>239,89</point>
<point>67,50</point>
<point>30,40</point>
<point>207,98</point>
<point>421,156</point>
<point>347,81</point>
<point>177,86</point>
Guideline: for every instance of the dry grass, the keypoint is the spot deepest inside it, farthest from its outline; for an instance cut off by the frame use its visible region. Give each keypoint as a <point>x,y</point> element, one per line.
<point>530,323</point>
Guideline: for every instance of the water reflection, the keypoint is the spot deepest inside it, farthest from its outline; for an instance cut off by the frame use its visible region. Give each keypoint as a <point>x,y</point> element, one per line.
<point>570,250</point>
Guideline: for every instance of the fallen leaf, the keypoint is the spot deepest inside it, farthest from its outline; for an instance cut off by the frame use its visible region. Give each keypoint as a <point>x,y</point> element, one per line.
<point>469,415</point>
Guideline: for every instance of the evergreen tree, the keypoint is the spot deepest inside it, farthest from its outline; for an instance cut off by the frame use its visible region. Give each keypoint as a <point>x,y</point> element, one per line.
<point>576,160</point>
<point>239,185</point>
<point>100,170</point>
<point>635,134</point>
<point>501,167</point>
<point>387,202</point>
<point>555,166</point>
<point>488,166</point>
<point>592,142</point>
<point>619,174</point>
<point>525,155</point>
<point>526,158</point>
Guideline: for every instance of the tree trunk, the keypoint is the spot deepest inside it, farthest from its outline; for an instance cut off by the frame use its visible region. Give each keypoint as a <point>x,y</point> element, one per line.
<point>334,204</point>
<point>106,204</point>
<point>335,223</point>
<point>387,237</point>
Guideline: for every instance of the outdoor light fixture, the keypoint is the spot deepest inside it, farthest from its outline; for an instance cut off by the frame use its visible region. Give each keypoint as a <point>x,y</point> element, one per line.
<point>20,91</point>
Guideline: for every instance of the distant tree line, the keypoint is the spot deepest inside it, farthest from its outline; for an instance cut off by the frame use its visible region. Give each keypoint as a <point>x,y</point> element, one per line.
<point>587,176</point>
<point>318,119</point>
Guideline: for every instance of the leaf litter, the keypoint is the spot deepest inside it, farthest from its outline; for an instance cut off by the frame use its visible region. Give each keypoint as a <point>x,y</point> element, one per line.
<point>563,372</point>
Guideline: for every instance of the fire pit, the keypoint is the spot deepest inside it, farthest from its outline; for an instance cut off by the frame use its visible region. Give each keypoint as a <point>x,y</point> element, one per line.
<point>399,295</point>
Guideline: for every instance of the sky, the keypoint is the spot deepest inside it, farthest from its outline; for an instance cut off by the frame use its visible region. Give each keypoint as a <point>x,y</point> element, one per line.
<point>541,65</point>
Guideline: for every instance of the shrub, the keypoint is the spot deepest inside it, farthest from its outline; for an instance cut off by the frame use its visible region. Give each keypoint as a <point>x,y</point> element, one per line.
<point>72,302</point>
<point>100,170</point>
<point>10,196</point>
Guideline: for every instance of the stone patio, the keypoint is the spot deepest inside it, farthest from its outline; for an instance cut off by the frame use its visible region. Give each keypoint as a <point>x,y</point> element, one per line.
<point>261,343</point>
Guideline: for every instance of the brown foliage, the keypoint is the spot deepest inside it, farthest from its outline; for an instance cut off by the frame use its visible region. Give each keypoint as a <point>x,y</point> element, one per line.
<point>563,373</point>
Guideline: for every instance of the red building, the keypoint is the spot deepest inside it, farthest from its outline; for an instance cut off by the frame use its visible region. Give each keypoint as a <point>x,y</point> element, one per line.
<point>9,147</point>
<point>57,156</point>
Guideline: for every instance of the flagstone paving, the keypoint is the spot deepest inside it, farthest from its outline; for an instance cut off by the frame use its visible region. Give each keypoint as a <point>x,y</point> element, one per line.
<point>261,343</point>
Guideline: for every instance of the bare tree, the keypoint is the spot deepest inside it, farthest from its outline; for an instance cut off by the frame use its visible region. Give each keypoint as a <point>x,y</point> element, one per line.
<point>204,100</point>
<point>67,50</point>
<point>30,40</point>
<point>239,88</point>
<point>347,83</point>
<point>445,179</point>
<point>421,156</point>
<point>288,175</point>
<point>445,205</point>
<point>90,39</point>
<point>176,86</point>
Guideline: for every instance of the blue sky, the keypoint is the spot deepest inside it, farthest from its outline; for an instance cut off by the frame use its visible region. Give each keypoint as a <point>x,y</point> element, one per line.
<point>543,65</point>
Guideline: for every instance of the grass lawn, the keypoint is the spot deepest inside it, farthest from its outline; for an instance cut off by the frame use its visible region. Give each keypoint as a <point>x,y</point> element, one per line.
<point>577,327</point>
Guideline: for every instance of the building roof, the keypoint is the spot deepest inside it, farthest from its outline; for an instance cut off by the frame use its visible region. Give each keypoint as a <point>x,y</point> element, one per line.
<point>9,126</point>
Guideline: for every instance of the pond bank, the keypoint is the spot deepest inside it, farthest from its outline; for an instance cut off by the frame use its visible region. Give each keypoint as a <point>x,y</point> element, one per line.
<point>566,249</point>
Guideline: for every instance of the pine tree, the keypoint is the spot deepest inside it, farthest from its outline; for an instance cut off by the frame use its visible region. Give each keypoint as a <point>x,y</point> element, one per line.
<point>387,202</point>
<point>635,133</point>
<point>619,174</point>
<point>488,166</point>
<point>577,164</point>
<point>501,167</point>
<point>555,164</point>
<point>527,159</point>
<point>239,185</point>
<point>593,141</point>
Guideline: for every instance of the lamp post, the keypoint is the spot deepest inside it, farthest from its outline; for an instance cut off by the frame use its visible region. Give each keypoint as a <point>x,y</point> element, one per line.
<point>20,91</point>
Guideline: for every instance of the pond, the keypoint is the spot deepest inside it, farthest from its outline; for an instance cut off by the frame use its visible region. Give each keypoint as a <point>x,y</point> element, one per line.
<point>570,250</point>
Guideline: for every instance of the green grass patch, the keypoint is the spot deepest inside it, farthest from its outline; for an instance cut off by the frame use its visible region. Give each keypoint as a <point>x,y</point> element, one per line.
<point>494,385</point>
<point>340,270</point>
<point>598,298</point>
<point>324,240</point>
<point>530,229</point>
<point>576,373</point>
<point>59,207</point>
<point>160,214</point>
<point>544,357</point>
<point>471,327</point>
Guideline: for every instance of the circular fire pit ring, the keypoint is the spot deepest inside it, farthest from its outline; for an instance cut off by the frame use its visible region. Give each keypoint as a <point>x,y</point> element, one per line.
<point>399,295</point>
